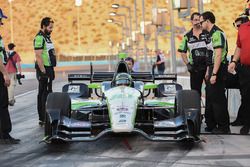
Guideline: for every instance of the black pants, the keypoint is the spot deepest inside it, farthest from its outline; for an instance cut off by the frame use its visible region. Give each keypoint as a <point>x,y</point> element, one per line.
<point>196,80</point>
<point>240,114</point>
<point>5,122</point>
<point>244,77</point>
<point>216,112</point>
<point>44,88</point>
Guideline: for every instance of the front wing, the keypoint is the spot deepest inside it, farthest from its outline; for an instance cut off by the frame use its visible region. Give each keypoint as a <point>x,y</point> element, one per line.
<point>71,129</point>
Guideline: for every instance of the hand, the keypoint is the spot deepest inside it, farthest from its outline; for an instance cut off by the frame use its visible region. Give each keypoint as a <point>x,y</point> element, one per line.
<point>189,67</point>
<point>213,79</point>
<point>231,67</point>
<point>206,76</point>
<point>43,70</point>
<point>6,80</point>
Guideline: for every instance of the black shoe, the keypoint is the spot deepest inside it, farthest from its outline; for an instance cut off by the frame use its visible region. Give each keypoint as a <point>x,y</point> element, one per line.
<point>12,102</point>
<point>7,139</point>
<point>236,123</point>
<point>244,130</point>
<point>221,131</point>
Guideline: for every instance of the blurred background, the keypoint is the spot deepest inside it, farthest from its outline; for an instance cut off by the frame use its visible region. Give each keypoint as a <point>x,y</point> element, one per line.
<point>96,30</point>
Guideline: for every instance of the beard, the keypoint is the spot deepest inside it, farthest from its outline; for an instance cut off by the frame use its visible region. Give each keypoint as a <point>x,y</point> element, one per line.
<point>47,32</point>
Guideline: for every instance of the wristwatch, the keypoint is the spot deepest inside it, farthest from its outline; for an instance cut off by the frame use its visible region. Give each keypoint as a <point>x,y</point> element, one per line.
<point>214,74</point>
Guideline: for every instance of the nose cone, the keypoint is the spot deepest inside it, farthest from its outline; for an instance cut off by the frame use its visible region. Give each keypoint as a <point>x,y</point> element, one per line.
<point>122,105</point>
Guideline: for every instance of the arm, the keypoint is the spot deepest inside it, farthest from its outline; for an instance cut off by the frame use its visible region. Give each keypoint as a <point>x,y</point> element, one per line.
<point>183,48</point>
<point>5,74</point>
<point>218,42</point>
<point>159,62</point>
<point>217,62</point>
<point>236,57</point>
<point>39,44</point>
<point>184,58</point>
<point>232,65</point>
<point>19,67</point>
<point>18,63</point>
<point>39,60</point>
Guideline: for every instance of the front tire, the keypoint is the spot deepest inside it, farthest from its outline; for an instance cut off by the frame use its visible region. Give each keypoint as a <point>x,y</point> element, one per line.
<point>61,102</point>
<point>186,100</point>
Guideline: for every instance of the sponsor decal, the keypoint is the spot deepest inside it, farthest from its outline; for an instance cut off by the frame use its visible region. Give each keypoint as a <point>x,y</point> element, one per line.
<point>169,88</point>
<point>74,89</point>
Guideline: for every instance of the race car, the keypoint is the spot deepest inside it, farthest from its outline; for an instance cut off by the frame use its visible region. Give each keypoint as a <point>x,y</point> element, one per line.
<point>99,103</point>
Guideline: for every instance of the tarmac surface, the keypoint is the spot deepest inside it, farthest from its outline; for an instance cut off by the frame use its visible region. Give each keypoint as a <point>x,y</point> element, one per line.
<point>112,150</point>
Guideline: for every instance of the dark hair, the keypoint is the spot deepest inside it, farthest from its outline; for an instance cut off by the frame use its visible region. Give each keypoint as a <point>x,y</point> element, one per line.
<point>208,16</point>
<point>243,19</point>
<point>193,14</point>
<point>130,59</point>
<point>11,46</point>
<point>46,21</point>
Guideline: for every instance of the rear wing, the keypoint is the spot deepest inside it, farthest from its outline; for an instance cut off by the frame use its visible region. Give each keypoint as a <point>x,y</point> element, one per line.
<point>108,76</point>
<point>95,77</point>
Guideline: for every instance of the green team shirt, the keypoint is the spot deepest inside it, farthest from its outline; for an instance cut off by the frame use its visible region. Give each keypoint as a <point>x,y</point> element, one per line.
<point>196,47</point>
<point>218,40</point>
<point>2,49</point>
<point>40,43</point>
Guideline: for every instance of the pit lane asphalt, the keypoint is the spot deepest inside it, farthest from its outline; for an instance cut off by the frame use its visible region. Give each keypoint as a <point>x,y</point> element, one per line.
<point>112,150</point>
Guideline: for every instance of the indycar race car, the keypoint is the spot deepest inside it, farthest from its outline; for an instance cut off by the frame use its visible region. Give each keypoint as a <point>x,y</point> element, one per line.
<point>99,103</point>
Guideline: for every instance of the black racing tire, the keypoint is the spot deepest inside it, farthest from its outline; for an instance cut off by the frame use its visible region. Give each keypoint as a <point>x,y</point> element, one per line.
<point>186,99</point>
<point>58,100</point>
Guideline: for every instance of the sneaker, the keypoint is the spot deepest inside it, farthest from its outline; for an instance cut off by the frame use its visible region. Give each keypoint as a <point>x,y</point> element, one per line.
<point>221,131</point>
<point>236,123</point>
<point>244,130</point>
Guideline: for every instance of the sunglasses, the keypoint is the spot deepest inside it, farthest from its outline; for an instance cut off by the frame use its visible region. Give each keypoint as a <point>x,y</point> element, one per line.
<point>201,22</point>
<point>236,25</point>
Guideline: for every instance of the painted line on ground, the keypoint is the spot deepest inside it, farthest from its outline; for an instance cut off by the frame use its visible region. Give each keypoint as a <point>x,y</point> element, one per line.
<point>26,93</point>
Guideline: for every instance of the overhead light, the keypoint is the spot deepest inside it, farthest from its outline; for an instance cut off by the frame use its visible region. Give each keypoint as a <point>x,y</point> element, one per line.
<point>115,6</point>
<point>78,3</point>
<point>206,1</point>
<point>112,13</point>
<point>110,20</point>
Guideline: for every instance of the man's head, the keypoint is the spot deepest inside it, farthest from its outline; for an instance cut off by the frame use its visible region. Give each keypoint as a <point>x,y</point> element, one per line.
<point>195,20</point>
<point>130,62</point>
<point>2,16</point>
<point>47,25</point>
<point>240,20</point>
<point>11,46</point>
<point>207,20</point>
<point>157,52</point>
